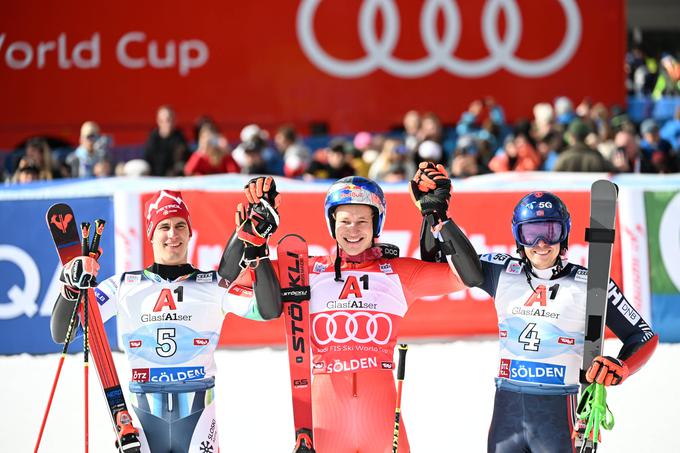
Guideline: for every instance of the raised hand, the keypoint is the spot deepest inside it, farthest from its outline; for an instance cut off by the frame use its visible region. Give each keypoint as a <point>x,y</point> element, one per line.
<point>262,187</point>
<point>80,273</point>
<point>257,223</point>
<point>430,190</point>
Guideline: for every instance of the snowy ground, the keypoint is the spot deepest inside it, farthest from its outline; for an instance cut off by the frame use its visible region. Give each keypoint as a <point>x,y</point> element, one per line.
<point>447,401</point>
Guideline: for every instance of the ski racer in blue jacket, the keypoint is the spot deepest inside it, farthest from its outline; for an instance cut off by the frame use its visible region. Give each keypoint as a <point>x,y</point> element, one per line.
<point>540,301</point>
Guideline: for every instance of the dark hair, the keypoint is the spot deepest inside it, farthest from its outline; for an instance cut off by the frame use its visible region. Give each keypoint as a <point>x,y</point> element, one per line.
<point>37,142</point>
<point>338,145</point>
<point>288,132</point>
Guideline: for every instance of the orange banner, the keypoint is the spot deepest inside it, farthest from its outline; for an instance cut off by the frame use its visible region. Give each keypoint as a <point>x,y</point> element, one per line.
<point>485,217</point>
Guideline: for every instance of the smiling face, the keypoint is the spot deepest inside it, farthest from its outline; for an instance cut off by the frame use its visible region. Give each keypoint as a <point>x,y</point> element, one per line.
<point>354,228</point>
<point>170,241</point>
<point>542,255</point>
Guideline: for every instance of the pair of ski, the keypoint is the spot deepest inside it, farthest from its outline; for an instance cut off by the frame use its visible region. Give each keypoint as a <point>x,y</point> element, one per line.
<point>592,408</point>
<point>62,225</point>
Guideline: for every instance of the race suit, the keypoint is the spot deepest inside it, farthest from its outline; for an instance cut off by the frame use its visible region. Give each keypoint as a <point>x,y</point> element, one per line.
<point>354,328</point>
<point>541,328</point>
<point>169,329</point>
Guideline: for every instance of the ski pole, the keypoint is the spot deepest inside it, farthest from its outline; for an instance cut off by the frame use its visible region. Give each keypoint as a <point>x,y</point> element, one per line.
<point>69,334</point>
<point>594,411</point>
<point>400,380</point>
<point>93,251</point>
<point>85,227</point>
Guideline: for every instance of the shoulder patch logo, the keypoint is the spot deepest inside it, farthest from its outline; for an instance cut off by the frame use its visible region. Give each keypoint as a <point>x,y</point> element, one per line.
<point>581,275</point>
<point>496,258</point>
<point>204,278</point>
<point>101,296</point>
<point>386,268</point>
<point>319,268</point>
<point>133,278</point>
<point>514,267</point>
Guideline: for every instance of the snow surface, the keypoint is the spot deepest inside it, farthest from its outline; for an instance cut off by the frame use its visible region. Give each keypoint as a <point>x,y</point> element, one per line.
<point>447,401</point>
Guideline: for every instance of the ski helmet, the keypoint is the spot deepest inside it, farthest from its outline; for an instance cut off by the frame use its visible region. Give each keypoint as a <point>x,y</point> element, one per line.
<point>541,207</point>
<point>356,190</point>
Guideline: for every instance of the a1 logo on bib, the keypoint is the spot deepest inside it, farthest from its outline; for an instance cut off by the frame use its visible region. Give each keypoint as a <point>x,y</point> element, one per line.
<point>351,287</point>
<point>539,296</point>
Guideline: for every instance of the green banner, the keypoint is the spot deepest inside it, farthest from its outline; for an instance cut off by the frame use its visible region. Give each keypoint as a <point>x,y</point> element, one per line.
<point>663,230</point>
<point>663,236</point>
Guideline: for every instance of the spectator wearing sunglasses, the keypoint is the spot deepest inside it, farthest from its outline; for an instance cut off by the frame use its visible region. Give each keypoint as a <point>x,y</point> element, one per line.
<point>91,158</point>
<point>540,301</point>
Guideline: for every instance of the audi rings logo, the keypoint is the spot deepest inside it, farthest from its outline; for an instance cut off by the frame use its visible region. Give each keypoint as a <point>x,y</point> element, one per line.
<point>360,327</point>
<point>379,50</point>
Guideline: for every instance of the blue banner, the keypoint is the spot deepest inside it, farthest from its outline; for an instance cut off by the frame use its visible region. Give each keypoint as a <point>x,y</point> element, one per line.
<point>29,271</point>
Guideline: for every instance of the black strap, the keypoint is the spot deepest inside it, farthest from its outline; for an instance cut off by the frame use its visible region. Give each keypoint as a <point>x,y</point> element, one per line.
<point>600,235</point>
<point>251,252</point>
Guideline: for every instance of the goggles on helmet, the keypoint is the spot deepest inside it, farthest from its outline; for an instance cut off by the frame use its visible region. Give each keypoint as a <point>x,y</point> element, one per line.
<point>551,232</point>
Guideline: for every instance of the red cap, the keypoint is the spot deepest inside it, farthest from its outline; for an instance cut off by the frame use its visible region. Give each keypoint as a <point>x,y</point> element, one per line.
<point>163,205</point>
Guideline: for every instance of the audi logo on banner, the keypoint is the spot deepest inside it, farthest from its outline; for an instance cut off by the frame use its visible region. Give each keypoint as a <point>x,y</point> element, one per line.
<point>379,50</point>
<point>359,327</point>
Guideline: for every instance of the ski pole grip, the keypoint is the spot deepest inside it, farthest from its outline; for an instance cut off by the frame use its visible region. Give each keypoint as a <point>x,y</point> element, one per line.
<point>402,361</point>
<point>85,232</point>
<point>98,230</point>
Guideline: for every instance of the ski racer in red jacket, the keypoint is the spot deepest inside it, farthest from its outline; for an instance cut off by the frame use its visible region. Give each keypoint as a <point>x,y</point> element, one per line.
<point>358,300</point>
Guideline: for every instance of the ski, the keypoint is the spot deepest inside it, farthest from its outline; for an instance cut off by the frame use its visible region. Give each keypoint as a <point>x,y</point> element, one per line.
<point>62,224</point>
<point>600,237</point>
<point>295,292</point>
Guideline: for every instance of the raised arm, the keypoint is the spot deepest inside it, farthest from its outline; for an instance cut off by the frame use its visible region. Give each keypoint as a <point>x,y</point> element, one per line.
<point>440,238</point>
<point>77,275</point>
<point>247,252</point>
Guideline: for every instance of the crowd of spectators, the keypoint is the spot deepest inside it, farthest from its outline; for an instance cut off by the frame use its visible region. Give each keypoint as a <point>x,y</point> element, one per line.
<point>587,137</point>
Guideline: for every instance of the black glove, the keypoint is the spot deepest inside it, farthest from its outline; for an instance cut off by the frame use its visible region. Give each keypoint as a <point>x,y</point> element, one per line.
<point>430,190</point>
<point>80,273</point>
<point>261,221</point>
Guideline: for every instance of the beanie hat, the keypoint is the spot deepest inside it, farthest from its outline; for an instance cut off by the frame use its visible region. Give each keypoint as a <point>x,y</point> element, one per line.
<point>163,205</point>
